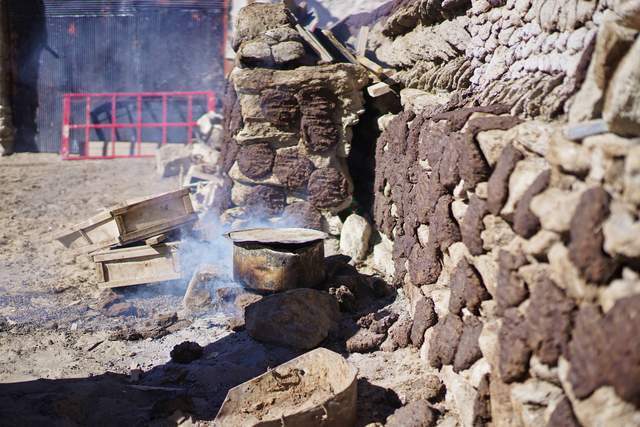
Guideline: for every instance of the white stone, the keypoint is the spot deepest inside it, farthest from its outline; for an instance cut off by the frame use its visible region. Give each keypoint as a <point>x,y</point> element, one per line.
<point>554,208</point>
<point>576,39</point>
<point>426,345</point>
<point>540,243</point>
<point>612,145</point>
<point>423,234</point>
<point>543,371</point>
<point>333,223</point>
<point>354,237</point>
<point>531,398</point>
<point>632,176</point>
<point>461,393</point>
<point>331,246</point>
<point>496,233</point>
<point>602,408</point>
<point>383,121</point>
<point>567,155</point>
<point>482,190</point>
<point>628,285</point>
<point>440,299</point>
<point>525,172</point>
<point>566,275</point>
<point>488,342</point>
<point>621,232</point>
<point>417,100</point>
<point>383,256</point>
<point>239,192</point>
<point>458,209</point>
<point>487,267</point>
<point>531,135</point>
<point>491,143</point>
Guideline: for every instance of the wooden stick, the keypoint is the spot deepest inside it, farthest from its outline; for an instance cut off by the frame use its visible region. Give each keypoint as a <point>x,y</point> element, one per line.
<point>156,239</point>
<point>378,89</point>
<point>361,41</point>
<point>340,47</point>
<point>325,56</point>
<point>370,65</point>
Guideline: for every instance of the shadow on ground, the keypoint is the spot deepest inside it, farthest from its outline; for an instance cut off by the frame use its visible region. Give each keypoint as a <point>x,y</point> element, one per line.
<point>160,395</point>
<point>197,388</point>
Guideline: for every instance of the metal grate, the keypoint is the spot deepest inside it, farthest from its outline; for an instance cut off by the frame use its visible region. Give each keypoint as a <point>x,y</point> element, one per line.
<point>117,125</point>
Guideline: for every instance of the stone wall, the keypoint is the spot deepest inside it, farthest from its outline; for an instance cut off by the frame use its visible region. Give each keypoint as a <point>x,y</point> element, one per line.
<point>521,234</point>
<point>529,54</point>
<point>287,127</point>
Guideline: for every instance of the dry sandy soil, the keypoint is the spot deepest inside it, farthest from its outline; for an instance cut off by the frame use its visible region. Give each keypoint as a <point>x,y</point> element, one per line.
<point>52,327</point>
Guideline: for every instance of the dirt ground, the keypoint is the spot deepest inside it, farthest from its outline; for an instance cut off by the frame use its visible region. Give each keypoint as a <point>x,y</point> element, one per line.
<point>60,363</point>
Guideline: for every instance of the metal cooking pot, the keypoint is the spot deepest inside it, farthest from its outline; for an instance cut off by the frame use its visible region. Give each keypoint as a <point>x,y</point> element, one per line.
<point>278,259</point>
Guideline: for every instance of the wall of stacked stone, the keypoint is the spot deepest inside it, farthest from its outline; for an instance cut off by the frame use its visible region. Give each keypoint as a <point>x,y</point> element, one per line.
<point>287,127</point>
<point>517,247</point>
<point>529,54</point>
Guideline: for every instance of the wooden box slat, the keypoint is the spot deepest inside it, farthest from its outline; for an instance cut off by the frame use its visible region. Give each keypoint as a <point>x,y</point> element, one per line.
<point>137,265</point>
<point>131,221</point>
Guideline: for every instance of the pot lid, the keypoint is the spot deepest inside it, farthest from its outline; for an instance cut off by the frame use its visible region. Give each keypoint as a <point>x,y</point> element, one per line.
<point>289,236</point>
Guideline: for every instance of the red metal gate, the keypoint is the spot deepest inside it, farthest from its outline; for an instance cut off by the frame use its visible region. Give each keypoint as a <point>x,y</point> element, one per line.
<point>84,148</point>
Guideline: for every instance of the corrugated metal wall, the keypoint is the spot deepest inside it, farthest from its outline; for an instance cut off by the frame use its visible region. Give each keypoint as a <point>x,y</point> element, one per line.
<point>107,46</point>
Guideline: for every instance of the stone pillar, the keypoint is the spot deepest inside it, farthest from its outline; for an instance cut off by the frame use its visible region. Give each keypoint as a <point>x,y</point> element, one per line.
<point>287,127</point>
<point>6,125</point>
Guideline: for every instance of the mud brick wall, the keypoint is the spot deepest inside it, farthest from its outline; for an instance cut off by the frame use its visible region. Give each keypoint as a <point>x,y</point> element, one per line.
<point>287,130</point>
<point>523,243</point>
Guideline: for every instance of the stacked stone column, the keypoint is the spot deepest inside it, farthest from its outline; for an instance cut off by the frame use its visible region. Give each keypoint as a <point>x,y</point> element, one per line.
<point>287,128</point>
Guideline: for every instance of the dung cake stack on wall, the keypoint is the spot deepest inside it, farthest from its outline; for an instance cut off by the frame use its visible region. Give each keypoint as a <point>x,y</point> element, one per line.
<point>518,233</point>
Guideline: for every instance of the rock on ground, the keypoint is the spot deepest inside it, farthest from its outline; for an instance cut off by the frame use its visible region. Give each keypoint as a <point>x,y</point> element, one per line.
<point>300,318</point>
<point>354,237</point>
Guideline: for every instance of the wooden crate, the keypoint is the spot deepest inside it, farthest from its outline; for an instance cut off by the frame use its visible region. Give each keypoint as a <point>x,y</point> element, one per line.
<point>137,265</point>
<point>131,221</point>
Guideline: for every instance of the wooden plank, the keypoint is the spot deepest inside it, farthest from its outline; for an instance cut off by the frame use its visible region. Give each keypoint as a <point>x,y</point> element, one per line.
<point>361,41</point>
<point>188,206</point>
<point>100,272</point>
<point>158,229</point>
<point>325,56</point>
<point>158,198</point>
<point>133,282</point>
<point>378,89</point>
<point>131,252</point>
<point>134,220</point>
<point>340,47</point>
<point>370,65</point>
<point>156,239</point>
<point>138,265</point>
